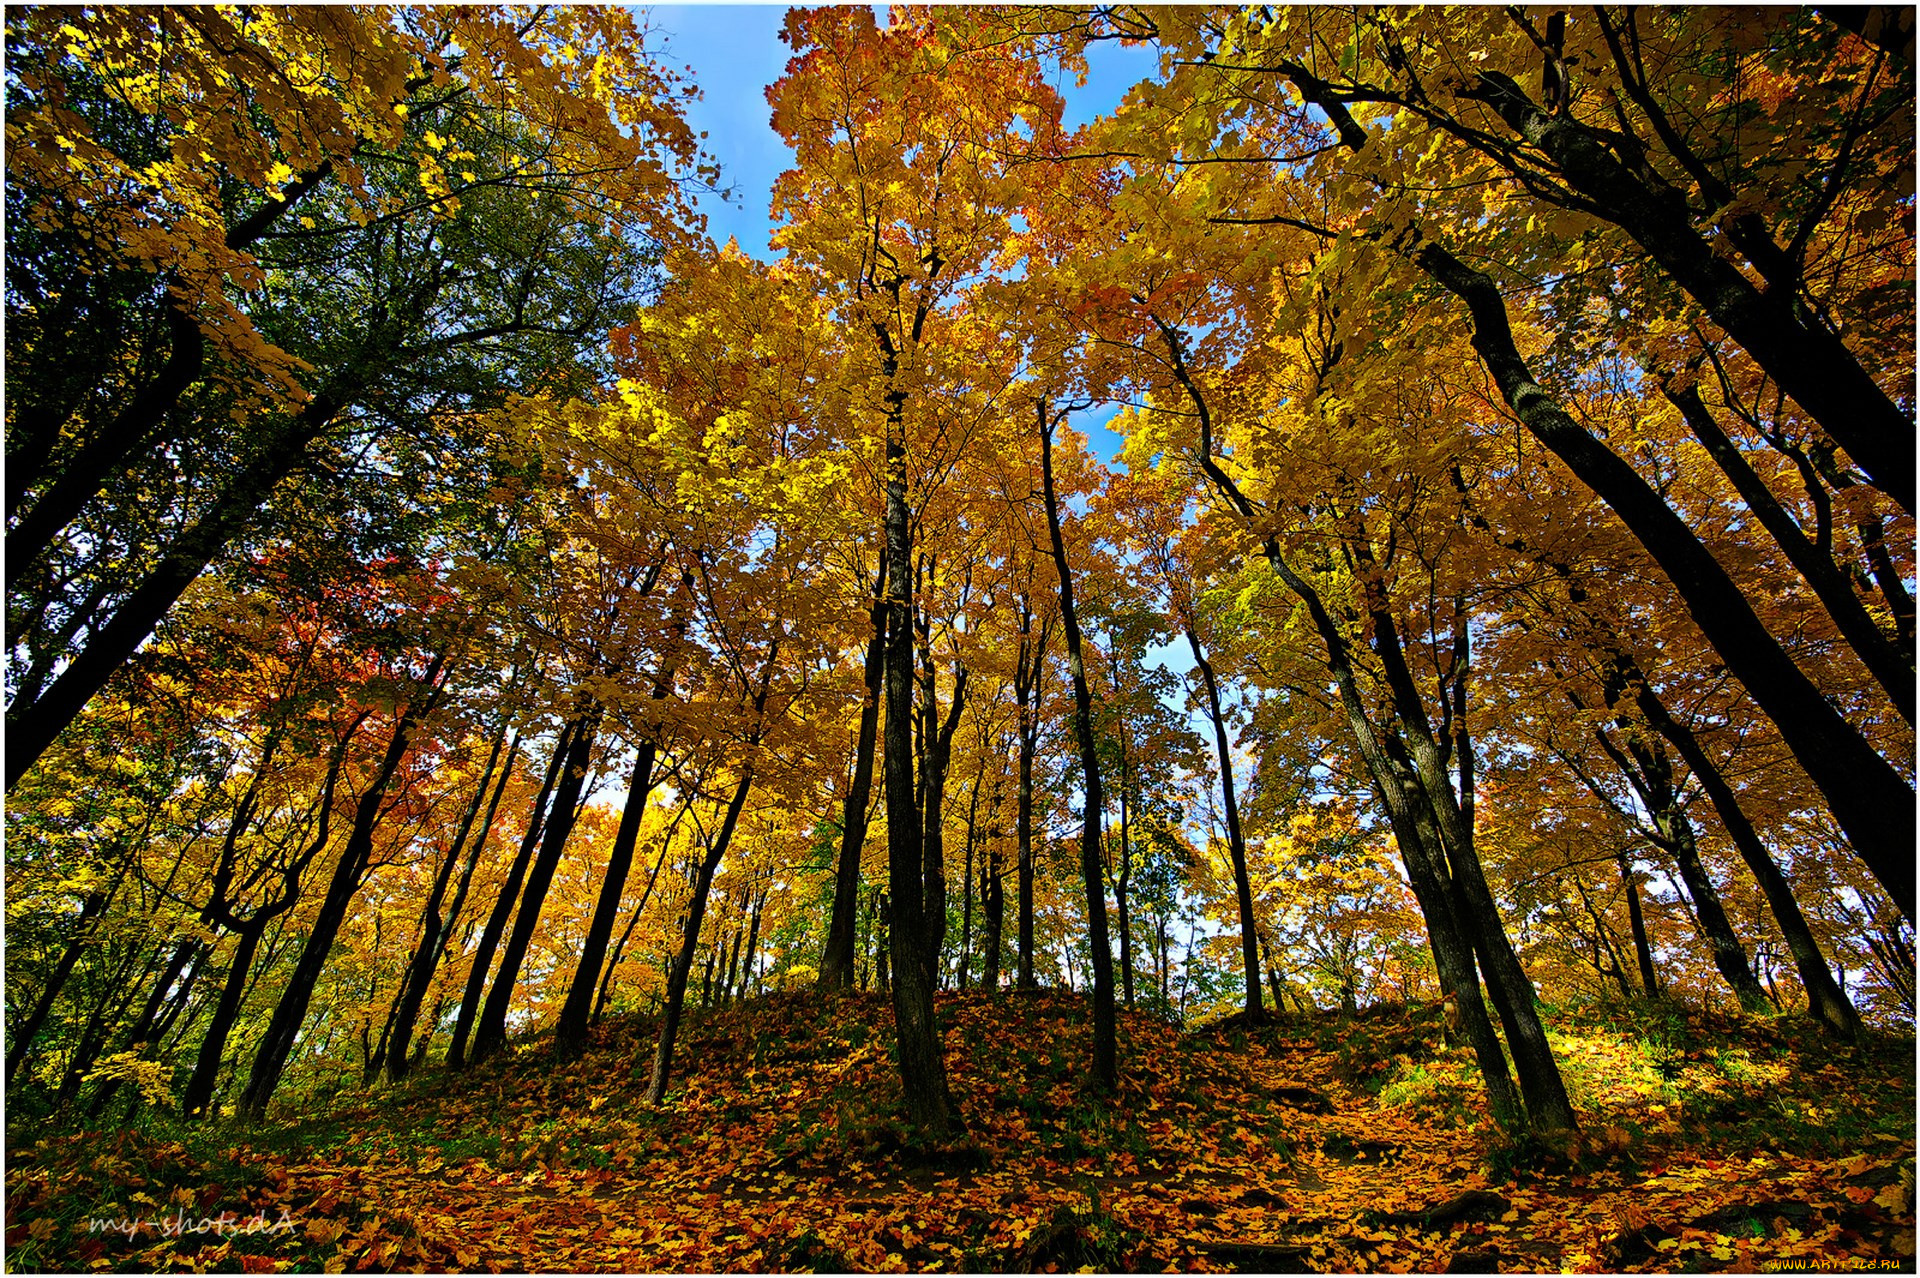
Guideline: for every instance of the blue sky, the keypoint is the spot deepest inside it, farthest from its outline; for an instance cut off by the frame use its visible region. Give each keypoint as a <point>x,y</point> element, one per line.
<point>734,52</point>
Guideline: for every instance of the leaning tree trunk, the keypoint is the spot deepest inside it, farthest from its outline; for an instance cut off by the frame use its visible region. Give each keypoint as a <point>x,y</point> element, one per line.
<point>570,1034</point>
<point>400,1059</point>
<point>502,911</point>
<point>277,1044</point>
<point>690,941</point>
<point>1871,800</point>
<point>490,1031</point>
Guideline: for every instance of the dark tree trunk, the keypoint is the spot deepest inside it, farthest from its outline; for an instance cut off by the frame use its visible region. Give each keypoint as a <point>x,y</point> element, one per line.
<point>1650,773</point>
<point>29,1028</point>
<point>1805,357</point>
<point>277,1044</point>
<point>966,878</point>
<point>1450,933</point>
<point>570,1033</point>
<point>1642,950</point>
<point>1124,871</point>
<point>1827,1003</point>
<point>1029,668</point>
<point>606,977</point>
<point>496,925</point>
<point>490,1031</point>
<point>1872,801</point>
<point>213,1046</point>
<point>1890,668</point>
<point>434,930</point>
<point>836,964</point>
<point>749,980</point>
<point>141,1036</point>
<point>993,909</point>
<point>31,727</point>
<point>690,940</point>
<point>1106,1078</point>
<point>1236,844</point>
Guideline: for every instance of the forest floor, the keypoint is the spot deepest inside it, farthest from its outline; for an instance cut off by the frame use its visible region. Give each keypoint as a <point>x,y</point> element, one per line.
<point>1326,1143</point>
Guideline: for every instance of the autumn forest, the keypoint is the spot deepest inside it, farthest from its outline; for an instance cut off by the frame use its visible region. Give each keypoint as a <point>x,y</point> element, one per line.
<point>1316,673</point>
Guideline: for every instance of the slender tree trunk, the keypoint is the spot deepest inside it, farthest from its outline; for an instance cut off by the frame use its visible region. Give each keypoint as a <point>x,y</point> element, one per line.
<point>1236,843</point>
<point>140,1036</point>
<point>836,964</point>
<point>1642,950</point>
<point>213,1046</point>
<point>400,1060</point>
<point>749,980</point>
<point>490,1031</point>
<point>993,907</point>
<point>1650,773</point>
<point>690,940</point>
<point>398,1033</point>
<point>606,977</point>
<point>1125,869</point>
<point>470,1001</point>
<point>29,1029</point>
<point>1827,1003</point>
<point>277,1044</point>
<point>570,1034</point>
<point>1105,1056</point>
<point>1026,691</point>
<point>966,878</point>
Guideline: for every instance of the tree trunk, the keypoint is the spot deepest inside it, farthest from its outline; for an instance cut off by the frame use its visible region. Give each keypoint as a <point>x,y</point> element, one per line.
<point>836,964</point>
<point>400,1060</point>
<point>1125,869</point>
<point>490,1031</point>
<point>689,942</point>
<point>966,879</point>
<point>496,926</point>
<point>1808,360</point>
<point>29,1028</point>
<point>1106,1078</point>
<point>213,1046</point>
<point>396,1037</point>
<point>1236,843</point>
<point>1873,803</point>
<point>1028,670</point>
<point>1890,668</point>
<point>31,727</point>
<point>140,1036</point>
<point>1642,951</point>
<point>570,1033</point>
<point>277,1044</point>
<point>1827,1003</point>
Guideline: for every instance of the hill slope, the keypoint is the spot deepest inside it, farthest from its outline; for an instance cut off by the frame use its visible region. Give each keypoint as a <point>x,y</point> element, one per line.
<point>1305,1144</point>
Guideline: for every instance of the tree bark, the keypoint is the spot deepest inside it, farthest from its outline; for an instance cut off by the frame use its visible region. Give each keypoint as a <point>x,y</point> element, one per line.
<point>1872,802</point>
<point>434,930</point>
<point>277,1044</point>
<point>690,940</point>
<point>1106,1079</point>
<point>490,1031</point>
<point>570,1033</point>
<point>496,926</point>
<point>836,964</point>
<point>1236,842</point>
